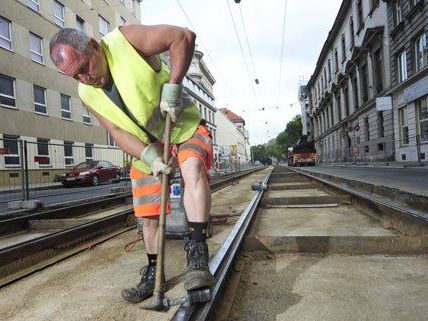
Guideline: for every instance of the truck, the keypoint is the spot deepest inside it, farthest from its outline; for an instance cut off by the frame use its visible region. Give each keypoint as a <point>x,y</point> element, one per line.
<point>303,154</point>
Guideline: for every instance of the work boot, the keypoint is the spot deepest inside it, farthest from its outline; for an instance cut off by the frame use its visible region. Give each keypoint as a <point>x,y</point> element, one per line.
<point>198,274</point>
<point>144,289</point>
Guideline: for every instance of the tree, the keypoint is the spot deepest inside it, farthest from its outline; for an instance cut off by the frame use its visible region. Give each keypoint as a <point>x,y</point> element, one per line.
<point>291,134</point>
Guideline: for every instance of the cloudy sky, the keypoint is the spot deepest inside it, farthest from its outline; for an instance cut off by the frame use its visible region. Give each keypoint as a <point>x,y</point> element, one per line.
<point>306,28</point>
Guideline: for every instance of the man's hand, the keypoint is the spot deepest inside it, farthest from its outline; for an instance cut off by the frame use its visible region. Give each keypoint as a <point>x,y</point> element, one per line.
<point>171,100</point>
<point>152,156</point>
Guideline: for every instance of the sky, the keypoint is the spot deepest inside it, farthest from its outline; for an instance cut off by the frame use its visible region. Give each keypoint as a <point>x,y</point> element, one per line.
<point>307,25</point>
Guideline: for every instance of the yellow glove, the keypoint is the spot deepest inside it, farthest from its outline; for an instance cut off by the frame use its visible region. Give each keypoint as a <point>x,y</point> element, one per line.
<point>152,156</point>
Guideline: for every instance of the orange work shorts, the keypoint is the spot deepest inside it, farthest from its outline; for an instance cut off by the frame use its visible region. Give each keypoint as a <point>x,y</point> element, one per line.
<point>146,189</point>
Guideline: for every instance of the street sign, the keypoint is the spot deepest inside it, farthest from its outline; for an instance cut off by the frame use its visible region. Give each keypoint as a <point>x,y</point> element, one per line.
<point>4,151</point>
<point>384,103</point>
<point>357,127</point>
<point>233,149</point>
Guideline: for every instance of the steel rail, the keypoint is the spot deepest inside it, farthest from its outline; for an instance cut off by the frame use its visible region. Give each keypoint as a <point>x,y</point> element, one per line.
<point>221,263</point>
<point>27,253</point>
<point>407,213</point>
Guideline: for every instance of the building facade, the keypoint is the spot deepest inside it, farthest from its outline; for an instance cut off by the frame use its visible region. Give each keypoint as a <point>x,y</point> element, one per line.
<point>199,82</point>
<point>232,137</point>
<point>351,72</point>
<point>39,104</point>
<point>408,25</point>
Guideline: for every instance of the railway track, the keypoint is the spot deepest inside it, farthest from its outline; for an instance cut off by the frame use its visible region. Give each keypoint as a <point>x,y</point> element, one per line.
<point>33,241</point>
<point>306,249</point>
<point>324,219</point>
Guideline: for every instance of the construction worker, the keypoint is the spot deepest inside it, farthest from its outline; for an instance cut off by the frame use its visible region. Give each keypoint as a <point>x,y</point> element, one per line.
<point>126,86</point>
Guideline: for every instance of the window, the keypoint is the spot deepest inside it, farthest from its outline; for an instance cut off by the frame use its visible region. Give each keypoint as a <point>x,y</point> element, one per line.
<point>5,34</point>
<point>422,109</point>
<point>329,70</point>
<point>346,98</point>
<point>65,107</point>
<point>59,14</point>
<point>354,81</point>
<point>122,21</point>
<point>33,4</point>
<point>80,24</point>
<point>378,70</point>
<point>336,60</point>
<point>7,91</point>
<point>110,140</point>
<point>380,127</point>
<point>398,11</point>
<point>366,129</point>
<point>68,153</point>
<point>103,25</point>
<point>360,14</point>
<point>43,150</point>
<point>88,151</point>
<point>325,77</point>
<point>10,143</point>
<point>404,128</point>
<point>343,42</point>
<point>39,99</point>
<point>402,66</point>
<point>364,83</point>
<point>36,48</point>
<point>421,52</point>
<point>339,107</point>
<point>352,32</point>
<point>86,116</point>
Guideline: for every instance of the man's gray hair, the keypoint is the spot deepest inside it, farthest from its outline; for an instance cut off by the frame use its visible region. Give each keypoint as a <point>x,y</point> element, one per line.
<point>68,36</point>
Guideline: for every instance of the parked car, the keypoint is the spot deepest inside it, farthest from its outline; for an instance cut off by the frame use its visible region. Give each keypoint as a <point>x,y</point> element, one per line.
<point>90,173</point>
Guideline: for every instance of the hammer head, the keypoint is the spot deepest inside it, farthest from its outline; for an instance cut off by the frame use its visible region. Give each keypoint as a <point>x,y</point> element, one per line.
<point>156,303</point>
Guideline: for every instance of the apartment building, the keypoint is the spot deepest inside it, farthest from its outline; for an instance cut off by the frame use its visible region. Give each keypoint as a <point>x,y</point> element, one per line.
<point>351,72</point>
<point>408,25</point>
<point>40,105</point>
<point>232,137</point>
<point>199,83</point>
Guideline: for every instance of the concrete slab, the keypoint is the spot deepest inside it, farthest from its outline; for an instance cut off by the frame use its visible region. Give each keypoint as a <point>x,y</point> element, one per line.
<point>300,192</point>
<point>339,221</point>
<point>292,186</point>
<point>322,199</point>
<point>333,288</point>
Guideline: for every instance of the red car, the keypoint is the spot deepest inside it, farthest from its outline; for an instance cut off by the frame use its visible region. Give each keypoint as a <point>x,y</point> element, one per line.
<point>90,173</point>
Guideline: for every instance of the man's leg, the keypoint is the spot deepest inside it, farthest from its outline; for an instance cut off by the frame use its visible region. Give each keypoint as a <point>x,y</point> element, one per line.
<point>146,191</point>
<point>197,202</point>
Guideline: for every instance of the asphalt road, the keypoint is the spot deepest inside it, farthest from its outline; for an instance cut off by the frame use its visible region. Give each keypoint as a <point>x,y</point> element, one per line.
<point>57,195</point>
<point>411,180</point>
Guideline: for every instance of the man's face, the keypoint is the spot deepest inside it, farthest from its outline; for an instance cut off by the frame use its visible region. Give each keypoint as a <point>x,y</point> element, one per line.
<point>90,69</point>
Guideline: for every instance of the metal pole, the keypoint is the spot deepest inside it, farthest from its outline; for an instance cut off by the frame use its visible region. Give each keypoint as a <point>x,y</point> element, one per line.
<point>384,151</point>
<point>21,158</point>
<point>27,185</point>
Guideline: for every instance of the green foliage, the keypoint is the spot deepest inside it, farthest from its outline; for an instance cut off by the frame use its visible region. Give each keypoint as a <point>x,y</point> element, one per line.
<point>284,140</point>
<point>291,134</point>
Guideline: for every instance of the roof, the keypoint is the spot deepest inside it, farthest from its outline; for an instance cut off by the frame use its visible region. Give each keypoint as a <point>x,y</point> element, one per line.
<point>234,118</point>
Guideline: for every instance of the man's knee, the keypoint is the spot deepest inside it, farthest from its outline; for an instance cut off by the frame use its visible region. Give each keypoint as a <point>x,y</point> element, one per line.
<point>151,222</point>
<point>193,170</point>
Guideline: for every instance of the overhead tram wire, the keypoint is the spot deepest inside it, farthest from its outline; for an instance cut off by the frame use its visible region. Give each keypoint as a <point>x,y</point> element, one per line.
<point>242,52</point>
<point>282,51</point>
<point>248,43</point>
<point>207,52</point>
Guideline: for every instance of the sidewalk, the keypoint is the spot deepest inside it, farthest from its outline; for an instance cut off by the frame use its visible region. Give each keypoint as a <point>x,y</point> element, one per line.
<point>412,180</point>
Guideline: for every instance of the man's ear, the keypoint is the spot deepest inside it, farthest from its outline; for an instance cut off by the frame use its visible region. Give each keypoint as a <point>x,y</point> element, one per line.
<point>93,44</point>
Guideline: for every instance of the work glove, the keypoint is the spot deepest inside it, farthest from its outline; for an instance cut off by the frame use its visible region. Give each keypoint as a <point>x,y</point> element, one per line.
<point>152,156</point>
<point>172,101</point>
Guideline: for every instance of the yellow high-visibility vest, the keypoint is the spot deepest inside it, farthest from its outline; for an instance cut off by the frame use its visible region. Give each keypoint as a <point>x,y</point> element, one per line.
<point>140,88</point>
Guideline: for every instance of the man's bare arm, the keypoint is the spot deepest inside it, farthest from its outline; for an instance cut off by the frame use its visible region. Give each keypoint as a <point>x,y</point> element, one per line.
<point>126,141</point>
<point>153,40</point>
